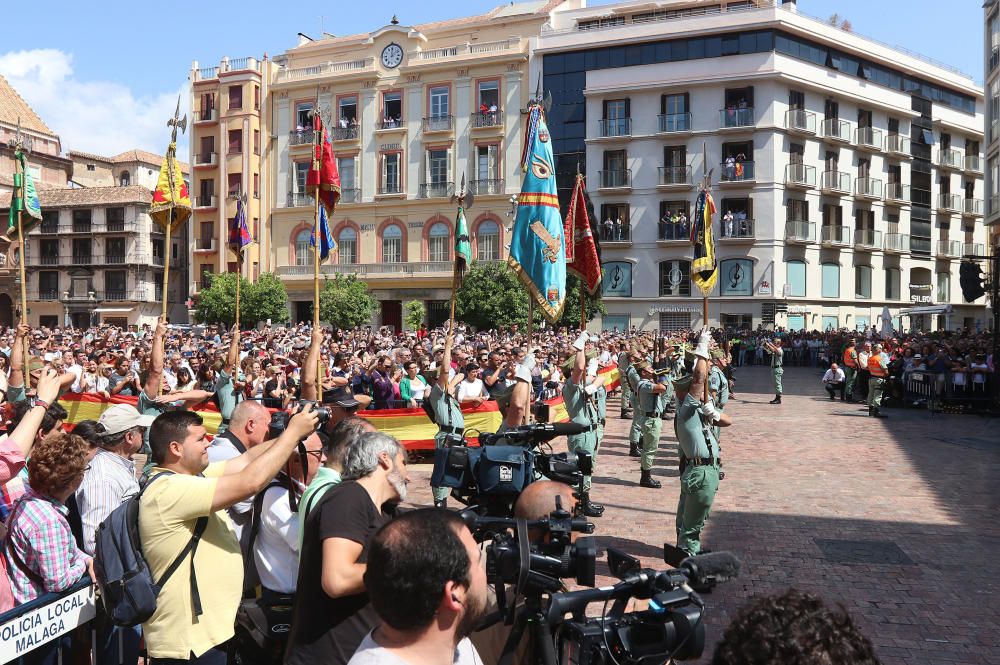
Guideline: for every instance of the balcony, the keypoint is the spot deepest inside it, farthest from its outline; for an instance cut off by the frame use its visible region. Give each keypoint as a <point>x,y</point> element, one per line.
<point>44,294</point>
<point>800,232</point>
<point>114,259</point>
<point>836,182</point>
<point>436,190</point>
<point>836,130</point>
<point>82,227</point>
<point>389,188</point>
<point>388,270</point>
<point>298,200</point>
<point>973,249</point>
<point>973,164</point>
<point>972,207</point>
<point>615,234</point>
<point>868,138</point>
<point>175,261</point>
<point>800,122</point>
<point>897,194</point>
<point>994,208</point>
<point>949,248</point>
<point>350,195</point>
<point>800,175</point>
<point>950,158</point>
<point>205,201</point>
<point>345,67</point>
<point>949,203</point>
<point>671,232</point>
<point>615,127</point>
<point>206,115</point>
<point>391,123</point>
<point>867,240</point>
<point>439,123</point>
<point>896,243</point>
<point>835,236</point>
<point>486,119</point>
<point>47,260</point>
<point>615,179</point>
<point>301,137</point>
<point>674,123</point>
<point>735,118</point>
<point>206,159</point>
<point>203,245</point>
<point>81,260</point>
<point>898,146</point>
<point>120,226</point>
<point>740,229</point>
<point>487,186</point>
<point>867,188</point>
<point>348,133</point>
<point>48,228</point>
<point>737,172</point>
<point>674,176</point>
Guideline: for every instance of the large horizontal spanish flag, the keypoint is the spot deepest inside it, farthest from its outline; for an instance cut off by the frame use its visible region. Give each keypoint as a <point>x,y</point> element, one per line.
<point>557,407</point>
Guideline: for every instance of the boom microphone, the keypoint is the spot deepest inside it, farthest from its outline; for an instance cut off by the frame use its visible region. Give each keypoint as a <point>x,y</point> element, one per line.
<point>708,569</point>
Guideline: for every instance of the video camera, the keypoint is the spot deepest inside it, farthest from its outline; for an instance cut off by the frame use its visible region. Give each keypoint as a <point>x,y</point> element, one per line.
<point>492,476</point>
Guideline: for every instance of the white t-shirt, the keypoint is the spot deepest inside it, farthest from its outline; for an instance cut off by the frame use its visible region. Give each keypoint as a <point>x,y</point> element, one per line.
<point>276,550</point>
<point>470,389</point>
<point>370,653</point>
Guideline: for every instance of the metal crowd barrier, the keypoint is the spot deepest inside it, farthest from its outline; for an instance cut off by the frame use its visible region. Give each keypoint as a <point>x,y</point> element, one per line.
<point>49,617</point>
<point>938,391</point>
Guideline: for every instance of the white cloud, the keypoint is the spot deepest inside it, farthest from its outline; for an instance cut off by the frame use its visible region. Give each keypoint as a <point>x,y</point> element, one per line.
<point>102,117</point>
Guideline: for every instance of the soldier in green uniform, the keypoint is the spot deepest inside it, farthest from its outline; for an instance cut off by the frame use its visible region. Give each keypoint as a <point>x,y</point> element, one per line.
<point>718,384</point>
<point>624,362</point>
<point>447,414</point>
<point>648,409</point>
<point>19,384</point>
<point>631,378</point>
<point>229,384</point>
<point>777,356</point>
<point>578,395</point>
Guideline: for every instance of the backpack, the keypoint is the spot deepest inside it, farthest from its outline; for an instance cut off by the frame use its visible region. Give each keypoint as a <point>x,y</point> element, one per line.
<point>128,590</point>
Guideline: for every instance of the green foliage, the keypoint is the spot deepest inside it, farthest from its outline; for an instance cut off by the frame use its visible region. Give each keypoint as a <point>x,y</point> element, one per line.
<point>344,302</point>
<point>413,314</point>
<point>491,296</point>
<point>264,300</point>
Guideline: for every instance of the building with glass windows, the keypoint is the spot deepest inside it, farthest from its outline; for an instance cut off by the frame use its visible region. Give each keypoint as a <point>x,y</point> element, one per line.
<point>847,174</point>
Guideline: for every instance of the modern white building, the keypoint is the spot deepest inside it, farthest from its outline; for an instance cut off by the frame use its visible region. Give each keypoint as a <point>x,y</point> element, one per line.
<point>852,170</point>
<point>991,9</point>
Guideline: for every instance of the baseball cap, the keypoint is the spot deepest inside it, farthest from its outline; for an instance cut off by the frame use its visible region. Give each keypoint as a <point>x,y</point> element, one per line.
<point>341,397</point>
<point>119,418</point>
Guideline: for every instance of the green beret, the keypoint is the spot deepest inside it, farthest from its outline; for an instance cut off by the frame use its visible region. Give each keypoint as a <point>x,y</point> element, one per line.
<point>717,354</point>
<point>683,383</point>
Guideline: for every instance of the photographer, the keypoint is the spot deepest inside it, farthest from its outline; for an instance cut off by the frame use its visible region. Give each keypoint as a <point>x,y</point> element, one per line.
<point>427,581</point>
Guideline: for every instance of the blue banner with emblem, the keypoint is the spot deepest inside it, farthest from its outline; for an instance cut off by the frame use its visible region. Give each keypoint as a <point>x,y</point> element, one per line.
<point>538,245</point>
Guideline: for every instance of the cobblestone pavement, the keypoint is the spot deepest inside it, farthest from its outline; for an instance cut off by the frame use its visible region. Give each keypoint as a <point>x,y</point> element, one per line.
<point>895,519</point>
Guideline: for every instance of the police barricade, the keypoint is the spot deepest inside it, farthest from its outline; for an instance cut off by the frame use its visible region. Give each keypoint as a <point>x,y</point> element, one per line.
<point>49,617</point>
<point>964,391</point>
<point>921,389</point>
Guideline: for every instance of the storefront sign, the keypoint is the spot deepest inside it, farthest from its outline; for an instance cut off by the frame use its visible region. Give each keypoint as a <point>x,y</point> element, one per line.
<point>44,624</point>
<point>658,309</point>
<point>921,299</point>
<point>764,285</point>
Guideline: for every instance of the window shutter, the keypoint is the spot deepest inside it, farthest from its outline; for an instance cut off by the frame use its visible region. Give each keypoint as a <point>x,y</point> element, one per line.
<point>749,94</point>
<point>491,158</point>
<point>687,102</point>
<point>450,177</point>
<point>604,105</point>
<point>385,173</point>
<point>749,208</point>
<point>663,104</point>
<point>628,108</point>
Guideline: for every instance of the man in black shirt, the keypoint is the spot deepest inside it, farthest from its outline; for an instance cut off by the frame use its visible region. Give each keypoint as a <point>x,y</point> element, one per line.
<point>332,612</point>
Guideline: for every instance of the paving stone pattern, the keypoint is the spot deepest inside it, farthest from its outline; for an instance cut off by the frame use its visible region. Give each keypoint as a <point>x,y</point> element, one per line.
<point>895,519</point>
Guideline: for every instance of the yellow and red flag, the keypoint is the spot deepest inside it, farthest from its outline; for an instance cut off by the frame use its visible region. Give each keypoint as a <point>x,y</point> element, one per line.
<point>581,247</point>
<point>171,200</point>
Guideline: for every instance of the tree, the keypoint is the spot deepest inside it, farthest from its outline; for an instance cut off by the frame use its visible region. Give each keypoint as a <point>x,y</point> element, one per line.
<point>267,299</point>
<point>344,302</point>
<point>492,296</point>
<point>414,314</point>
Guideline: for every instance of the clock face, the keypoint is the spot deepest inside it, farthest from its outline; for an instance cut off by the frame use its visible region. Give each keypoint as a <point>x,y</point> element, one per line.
<point>392,55</point>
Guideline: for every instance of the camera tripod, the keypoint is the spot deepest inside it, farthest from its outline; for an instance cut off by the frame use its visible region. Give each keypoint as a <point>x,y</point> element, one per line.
<point>532,617</point>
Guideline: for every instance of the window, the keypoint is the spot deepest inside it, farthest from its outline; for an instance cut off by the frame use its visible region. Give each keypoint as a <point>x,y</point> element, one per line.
<point>438,242</point>
<point>235,182</point>
<point>115,284</point>
<point>235,96</point>
<point>256,98</point>
<point>861,322</point>
<point>235,141</point>
<point>615,322</point>
<point>91,167</point>
<point>489,94</point>
<point>348,108</point>
<point>345,166</point>
<point>301,171</point>
<point>48,283</point>
<point>487,168</point>
<point>347,246</point>
<point>892,284</point>
<point>616,117</point>
<point>114,219</point>
<point>863,282</point>
<point>736,277</point>
<point>392,244</point>
<point>124,179</point>
<point>302,119</point>
<point>671,321</point>
<point>302,253</point>
<point>488,241</point>
<point>256,141</point>
<point>797,210</point>
<point>114,250</point>
<point>675,278</point>
<point>390,173</point>
<point>439,101</point>
<point>944,287</point>
<point>831,280</point>
<point>438,167</point>
<point>256,185</point>
<point>830,323</point>
<point>50,252</point>
<point>617,281</point>
<point>796,99</point>
<point>392,109</point>
<point>795,278</point>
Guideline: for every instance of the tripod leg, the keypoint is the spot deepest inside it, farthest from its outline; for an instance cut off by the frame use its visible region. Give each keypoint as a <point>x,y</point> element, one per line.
<point>543,641</point>
<point>514,639</point>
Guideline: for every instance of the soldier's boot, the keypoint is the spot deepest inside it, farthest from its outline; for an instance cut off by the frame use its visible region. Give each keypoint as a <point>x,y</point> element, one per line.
<point>633,449</point>
<point>647,480</point>
<point>441,503</point>
<point>875,413</point>
<point>776,400</point>
<point>590,509</point>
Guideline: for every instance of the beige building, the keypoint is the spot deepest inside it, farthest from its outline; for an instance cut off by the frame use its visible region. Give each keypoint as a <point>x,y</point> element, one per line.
<point>229,138</point>
<point>414,109</point>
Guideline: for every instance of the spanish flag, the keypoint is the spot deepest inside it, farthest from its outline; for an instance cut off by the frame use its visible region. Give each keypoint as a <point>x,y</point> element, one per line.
<point>171,200</point>
<point>704,270</point>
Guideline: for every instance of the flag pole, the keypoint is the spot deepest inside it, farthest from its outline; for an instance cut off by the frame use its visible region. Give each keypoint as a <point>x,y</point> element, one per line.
<point>705,183</point>
<point>18,145</point>
<point>317,141</point>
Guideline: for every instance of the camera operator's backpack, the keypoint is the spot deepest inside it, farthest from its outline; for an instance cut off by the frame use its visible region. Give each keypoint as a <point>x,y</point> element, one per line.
<point>128,590</point>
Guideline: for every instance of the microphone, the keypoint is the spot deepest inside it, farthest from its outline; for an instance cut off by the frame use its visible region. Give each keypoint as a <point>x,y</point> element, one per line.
<point>708,569</point>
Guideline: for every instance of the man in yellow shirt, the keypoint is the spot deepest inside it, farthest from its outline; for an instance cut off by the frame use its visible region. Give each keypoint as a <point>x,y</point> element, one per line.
<point>196,608</point>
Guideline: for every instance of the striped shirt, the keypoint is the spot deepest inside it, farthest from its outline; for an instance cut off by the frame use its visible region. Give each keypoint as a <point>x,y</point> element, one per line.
<point>108,483</point>
<point>40,538</point>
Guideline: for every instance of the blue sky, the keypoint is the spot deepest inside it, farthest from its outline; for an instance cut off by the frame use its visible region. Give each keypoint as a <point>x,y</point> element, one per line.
<point>107,79</point>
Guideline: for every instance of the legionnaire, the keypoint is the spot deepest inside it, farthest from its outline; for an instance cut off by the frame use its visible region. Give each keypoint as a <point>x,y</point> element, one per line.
<point>446,413</point>
<point>648,409</point>
<point>718,384</point>
<point>876,383</point>
<point>578,395</point>
<point>631,377</point>
<point>694,423</point>
<point>624,362</point>
<point>777,357</point>
<point>850,368</point>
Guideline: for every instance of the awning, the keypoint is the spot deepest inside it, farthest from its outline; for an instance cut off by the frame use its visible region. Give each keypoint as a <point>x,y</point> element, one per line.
<point>113,310</point>
<point>929,309</point>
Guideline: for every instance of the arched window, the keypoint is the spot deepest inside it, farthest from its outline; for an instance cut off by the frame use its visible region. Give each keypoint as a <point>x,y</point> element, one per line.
<point>438,239</point>
<point>347,245</point>
<point>675,278</point>
<point>392,244</point>
<point>124,179</point>
<point>488,241</point>
<point>302,249</point>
